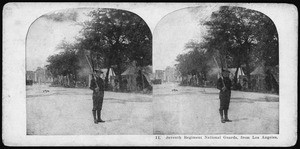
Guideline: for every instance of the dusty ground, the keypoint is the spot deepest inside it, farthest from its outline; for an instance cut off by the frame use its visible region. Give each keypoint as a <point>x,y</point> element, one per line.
<point>68,111</point>
<point>192,110</point>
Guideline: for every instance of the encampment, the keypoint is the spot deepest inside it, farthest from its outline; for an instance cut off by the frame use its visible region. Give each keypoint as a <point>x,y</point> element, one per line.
<point>264,78</point>
<point>137,78</point>
<point>111,74</point>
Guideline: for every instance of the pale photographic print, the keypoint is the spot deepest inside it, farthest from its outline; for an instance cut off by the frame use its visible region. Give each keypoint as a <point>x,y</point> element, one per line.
<point>149,74</point>
<point>210,48</point>
<point>87,67</point>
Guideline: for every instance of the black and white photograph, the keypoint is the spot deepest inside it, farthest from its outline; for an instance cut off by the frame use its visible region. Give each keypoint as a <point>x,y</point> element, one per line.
<point>149,74</point>
<point>221,75</point>
<point>88,73</point>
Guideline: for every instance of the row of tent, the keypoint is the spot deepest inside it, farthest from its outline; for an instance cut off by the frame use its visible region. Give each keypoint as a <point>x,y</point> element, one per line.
<point>131,77</point>
<point>262,78</point>
<point>258,71</point>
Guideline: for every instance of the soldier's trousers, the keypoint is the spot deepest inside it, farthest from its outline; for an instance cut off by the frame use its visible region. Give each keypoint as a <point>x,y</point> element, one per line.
<point>97,101</point>
<point>224,99</point>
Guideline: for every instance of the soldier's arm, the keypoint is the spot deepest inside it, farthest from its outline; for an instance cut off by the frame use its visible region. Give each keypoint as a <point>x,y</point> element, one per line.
<point>219,84</point>
<point>93,85</point>
<point>101,85</point>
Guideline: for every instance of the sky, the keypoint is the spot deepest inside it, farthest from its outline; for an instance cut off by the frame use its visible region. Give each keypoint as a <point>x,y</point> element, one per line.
<point>169,35</point>
<point>176,29</point>
<point>45,34</point>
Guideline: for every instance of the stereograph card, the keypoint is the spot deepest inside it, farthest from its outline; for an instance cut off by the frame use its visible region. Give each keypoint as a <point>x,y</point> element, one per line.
<point>149,74</point>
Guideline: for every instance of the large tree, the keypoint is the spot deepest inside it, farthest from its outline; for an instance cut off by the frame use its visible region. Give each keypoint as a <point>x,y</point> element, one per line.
<point>116,38</point>
<point>242,37</point>
<point>64,63</point>
<point>195,61</point>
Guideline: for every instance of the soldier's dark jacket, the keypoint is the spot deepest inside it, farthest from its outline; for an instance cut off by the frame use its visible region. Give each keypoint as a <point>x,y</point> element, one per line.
<point>224,95</point>
<point>97,96</point>
<point>227,83</point>
<point>100,84</point>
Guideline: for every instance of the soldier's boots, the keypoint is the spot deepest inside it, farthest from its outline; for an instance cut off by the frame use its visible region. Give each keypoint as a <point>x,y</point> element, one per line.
<point>227,120</point>
<point>99,117</point>
<point>94,115</point>
<point>221,114</point>
<point>223,120</point>
<point>100,120</point>
<point>226,116</point>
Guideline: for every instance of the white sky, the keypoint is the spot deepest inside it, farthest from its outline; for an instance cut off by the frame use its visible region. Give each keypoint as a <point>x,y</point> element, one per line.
<point>174,31</point>
<point>43,37</point>
<point>171,29</point>
<point>169,35</point>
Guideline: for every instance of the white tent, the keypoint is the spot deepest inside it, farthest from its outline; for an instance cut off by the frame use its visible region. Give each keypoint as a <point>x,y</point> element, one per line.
<point>131,74</point>
<point>133,70</point>
<point>147,72</point>
<point>258,71</point>
<point>233,70</point>
<point>104,70</point>
<point>111,72</point>
<point>216,71</point>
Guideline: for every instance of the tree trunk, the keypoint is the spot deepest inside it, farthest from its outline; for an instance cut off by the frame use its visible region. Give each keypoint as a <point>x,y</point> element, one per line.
<point>68,79</point>
<point>143,85</point>
<point>248,74</point>
<point>236,75</point>
<point>75,80</point>
<point>119,76</point>
<point>106,78</point>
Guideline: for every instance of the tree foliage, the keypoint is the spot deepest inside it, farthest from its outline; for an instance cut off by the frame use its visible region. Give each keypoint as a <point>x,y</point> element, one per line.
<point>114,38</point>
<point>194,61</point>
<point>64,63</point>
<point>237,37</point>
<point>242,37</point>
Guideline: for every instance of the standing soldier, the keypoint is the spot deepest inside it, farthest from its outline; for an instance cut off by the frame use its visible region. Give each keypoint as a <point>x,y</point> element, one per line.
<point>97,85</point>
<point>224,85</point>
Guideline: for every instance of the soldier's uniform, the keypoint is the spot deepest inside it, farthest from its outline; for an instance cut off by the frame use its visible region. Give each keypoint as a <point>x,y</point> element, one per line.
<point>97,98</point>
<point>224,97</point>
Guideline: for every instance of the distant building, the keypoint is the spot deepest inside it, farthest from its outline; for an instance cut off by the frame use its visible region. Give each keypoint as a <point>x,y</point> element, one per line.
<point>30,75</point>
<point>178,77</point>
<point>170,74</point>
<point>40,75</point>
<point>159,74</point>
